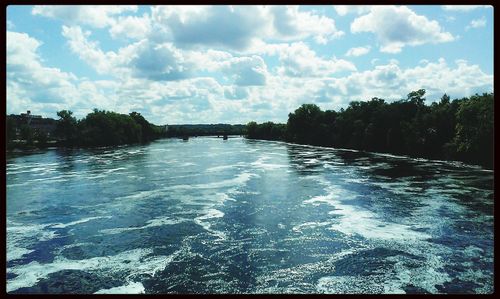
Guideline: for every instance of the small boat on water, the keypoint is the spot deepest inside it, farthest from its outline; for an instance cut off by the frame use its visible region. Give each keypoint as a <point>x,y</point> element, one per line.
<point>225,137</point>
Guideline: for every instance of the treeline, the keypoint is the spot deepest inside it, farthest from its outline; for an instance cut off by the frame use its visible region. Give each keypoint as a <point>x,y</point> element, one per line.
<point>104,128</point>
<point>461,129</point>
<point>205,130</point>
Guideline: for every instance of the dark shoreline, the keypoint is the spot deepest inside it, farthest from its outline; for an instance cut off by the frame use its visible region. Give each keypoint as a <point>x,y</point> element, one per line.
<point>379,153</point>
<point>26,150</point>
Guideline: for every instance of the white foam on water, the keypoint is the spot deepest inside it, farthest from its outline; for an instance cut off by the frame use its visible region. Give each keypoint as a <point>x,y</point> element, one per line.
<point>309,225</point>
<point>311,161</point>
<point>204,222</point>
<point>130,288</point>
<point>356,220</point>
<point>356,180</point>
<point>260,163</point>
<point>425,274</point>
<point>15,253</point>
<point>429,274</point>
<point>155,222</point>
<point>473,251</point>
<point>474,276</point>
<point>219,168</point>
<point>211,213</point>
<point>20,236</point>
<point>115,169</point>
<point>297,273</point>
<point>134,262</point>
<point>223,197</point>
<point>364,223</point>
<point>144,194</point>
<point>83,220</point>
<point>239,180</point>
<point>187,164</point>
<point>349,285</point>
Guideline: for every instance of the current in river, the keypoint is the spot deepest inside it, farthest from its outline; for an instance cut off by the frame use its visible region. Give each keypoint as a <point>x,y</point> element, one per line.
<point>245,216</point>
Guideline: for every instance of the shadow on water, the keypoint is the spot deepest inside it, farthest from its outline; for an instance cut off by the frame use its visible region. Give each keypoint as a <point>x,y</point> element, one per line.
<point>10,155</point>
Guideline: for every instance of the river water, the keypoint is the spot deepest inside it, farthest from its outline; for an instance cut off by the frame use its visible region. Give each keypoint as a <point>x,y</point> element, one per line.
<point>245,216</point>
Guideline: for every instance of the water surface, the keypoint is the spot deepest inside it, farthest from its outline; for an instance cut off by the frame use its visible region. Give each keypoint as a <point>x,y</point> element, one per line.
<point>245,216</point>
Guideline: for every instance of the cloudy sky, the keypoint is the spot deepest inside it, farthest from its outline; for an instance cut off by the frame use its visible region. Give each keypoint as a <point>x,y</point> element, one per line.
<point>234,64</point>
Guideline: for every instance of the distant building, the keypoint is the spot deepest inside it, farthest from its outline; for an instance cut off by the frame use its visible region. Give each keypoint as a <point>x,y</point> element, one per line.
<point>35,122</point>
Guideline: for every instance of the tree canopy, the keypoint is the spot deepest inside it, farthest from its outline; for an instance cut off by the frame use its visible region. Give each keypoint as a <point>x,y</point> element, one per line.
<point>102,128</point>
<point>461,129</point>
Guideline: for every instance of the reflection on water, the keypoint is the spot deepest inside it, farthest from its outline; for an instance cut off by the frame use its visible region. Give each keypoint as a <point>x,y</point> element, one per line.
<point>245,216</point>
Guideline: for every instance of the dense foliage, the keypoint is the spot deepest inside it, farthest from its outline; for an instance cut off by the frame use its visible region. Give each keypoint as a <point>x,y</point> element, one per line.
<point>266,131</point>
<point>205,130</point>
<point>461,129</point>
<point>102,128</point>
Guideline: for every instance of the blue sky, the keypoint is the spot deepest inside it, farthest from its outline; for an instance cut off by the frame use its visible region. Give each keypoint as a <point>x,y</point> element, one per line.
<point>234,64</point>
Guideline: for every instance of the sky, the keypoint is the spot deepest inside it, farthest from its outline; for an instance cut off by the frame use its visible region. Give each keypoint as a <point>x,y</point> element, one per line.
<point>235,64</point>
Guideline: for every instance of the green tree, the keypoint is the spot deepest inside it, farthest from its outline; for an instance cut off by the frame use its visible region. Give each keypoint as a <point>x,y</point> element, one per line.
<point>66,128</point>
<point>251,130</point>
<point>474,129</point>
<point>304,125</point>
<point>417,97</point>
<point>101,128</point>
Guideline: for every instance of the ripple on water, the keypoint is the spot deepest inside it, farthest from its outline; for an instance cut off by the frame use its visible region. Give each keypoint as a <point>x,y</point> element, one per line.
<point>265,218</point>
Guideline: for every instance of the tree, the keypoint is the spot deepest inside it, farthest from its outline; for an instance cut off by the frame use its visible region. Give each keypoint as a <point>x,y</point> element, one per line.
<point>445,99</point>
<point>41,138</point>
<point>10,129</point>
<point>251,130</point>
<point>101,128</point>
<point>66,128</point>
<point>27,134</point>
<point>304,124</point>
<point>416,97</point>
<point>474,129</point>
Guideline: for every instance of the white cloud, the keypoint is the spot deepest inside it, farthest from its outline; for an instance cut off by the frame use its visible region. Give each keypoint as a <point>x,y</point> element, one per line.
<point>358,51</point>
<point>478,23</point>
<point>235,92</point>
<point>343,10</point>
<point>158,62</point>
<point>392,82</point>
<point>292,24</point>
<point>238,28</point>
<point>397,27</point>
<point>163,61</point>
<point>246,71</point>
<point>89,51</point>
<point>208,25</point>
<point>27,77</point>
<point>131,27</point>
<point>98,16</point>
<point>298,60</point>
<point>463,8</point>
<point>32,86</point>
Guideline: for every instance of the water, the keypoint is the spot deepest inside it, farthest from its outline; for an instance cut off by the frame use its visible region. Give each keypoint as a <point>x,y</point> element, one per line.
<point>245,216</point>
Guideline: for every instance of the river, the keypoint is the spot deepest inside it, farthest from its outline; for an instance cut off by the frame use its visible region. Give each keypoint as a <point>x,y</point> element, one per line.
<point>245,216</point>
